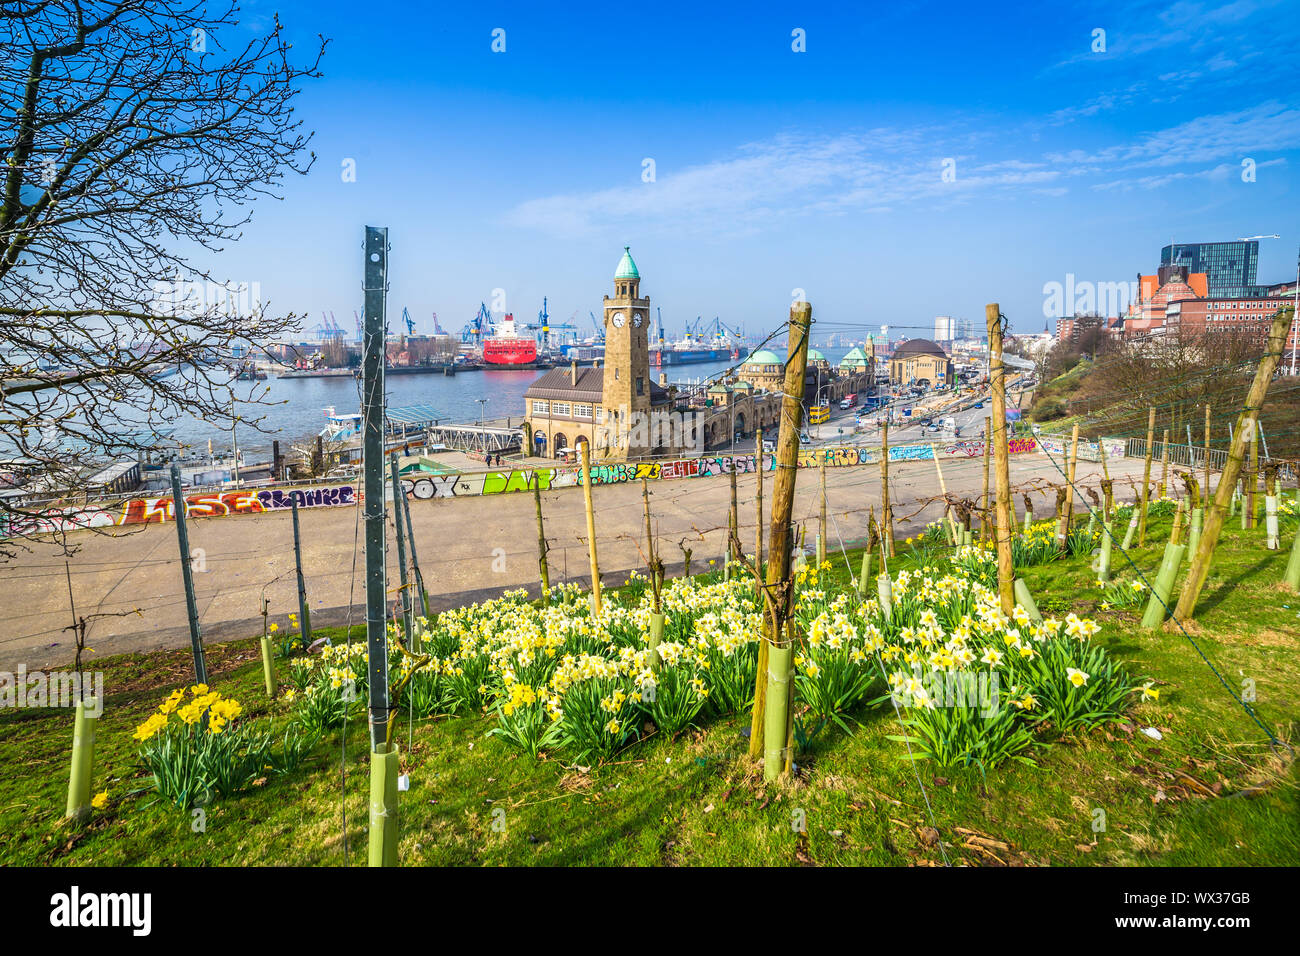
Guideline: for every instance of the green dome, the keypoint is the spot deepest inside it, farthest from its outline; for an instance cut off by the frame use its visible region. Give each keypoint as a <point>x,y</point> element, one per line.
<point>763,357</point>
<point>815,356</point>
<point>626,267</point>
<point>854,359</point>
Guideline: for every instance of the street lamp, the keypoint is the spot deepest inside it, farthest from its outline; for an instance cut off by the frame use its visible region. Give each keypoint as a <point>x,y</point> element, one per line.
<point>482,438</point>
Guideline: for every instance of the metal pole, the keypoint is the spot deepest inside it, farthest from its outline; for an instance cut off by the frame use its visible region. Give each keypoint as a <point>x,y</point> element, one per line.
<point>304,612</point>
<point>415,559</point>
<point>372,450</point>
<point>398,502</point>
<point>187,574</point>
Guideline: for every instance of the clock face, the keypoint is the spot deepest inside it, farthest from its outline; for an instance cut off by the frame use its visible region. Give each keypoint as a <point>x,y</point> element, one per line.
<point>617,319</point>
<point>636,319</point>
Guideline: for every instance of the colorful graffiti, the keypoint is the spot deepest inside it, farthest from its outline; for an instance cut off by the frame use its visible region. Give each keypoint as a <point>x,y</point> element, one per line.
<point>974,448</point>
<point>911,453</point>
<point>160,509</point>
<point>464,485</point>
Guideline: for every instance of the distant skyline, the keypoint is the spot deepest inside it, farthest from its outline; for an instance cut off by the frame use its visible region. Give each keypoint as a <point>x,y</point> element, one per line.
<point>911,162</point>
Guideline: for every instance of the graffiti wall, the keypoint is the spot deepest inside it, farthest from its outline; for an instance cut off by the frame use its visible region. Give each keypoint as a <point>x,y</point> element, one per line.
<point>1058,446</point>
<point>158,509</point>
<point>425,487</point>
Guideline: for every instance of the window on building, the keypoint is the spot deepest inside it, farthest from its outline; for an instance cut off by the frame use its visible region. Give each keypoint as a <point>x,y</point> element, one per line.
<point>640,385</point>
<point>540,407</point>
<point>600,413</point>
<point>559,408</point>
<point>581,411</point>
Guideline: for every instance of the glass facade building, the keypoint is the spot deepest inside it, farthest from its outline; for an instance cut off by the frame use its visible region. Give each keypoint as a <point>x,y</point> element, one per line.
<point>1229,266</point>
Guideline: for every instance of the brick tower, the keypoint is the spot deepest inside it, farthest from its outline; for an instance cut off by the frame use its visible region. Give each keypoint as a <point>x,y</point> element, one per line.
<point>626,382</point>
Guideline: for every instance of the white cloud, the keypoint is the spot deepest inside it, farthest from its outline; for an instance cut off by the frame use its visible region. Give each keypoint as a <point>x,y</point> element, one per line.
<point>884,169</point>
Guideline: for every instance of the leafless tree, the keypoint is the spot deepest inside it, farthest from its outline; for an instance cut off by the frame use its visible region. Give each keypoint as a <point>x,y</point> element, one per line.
<point>135,136</point>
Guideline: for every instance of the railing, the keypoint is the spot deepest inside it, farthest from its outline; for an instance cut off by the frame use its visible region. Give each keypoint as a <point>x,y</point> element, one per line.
<point>1193,456</point>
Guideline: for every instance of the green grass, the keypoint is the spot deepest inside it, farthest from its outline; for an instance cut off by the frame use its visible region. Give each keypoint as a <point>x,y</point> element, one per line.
<point>698,800</point>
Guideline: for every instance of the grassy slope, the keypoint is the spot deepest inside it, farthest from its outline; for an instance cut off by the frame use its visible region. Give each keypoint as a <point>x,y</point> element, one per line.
<point>698,800</point>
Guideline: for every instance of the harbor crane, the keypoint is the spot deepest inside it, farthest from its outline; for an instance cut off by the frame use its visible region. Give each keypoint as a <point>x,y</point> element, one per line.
<point>410,322</point>
<point>478,327</point>
<point>329,330</point>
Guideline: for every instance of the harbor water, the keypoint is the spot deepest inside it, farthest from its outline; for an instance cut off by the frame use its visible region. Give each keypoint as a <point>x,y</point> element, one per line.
<point>293,408</point>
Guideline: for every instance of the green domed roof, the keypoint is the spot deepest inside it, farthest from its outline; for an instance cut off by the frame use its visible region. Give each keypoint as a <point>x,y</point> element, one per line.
<point>854,358</point>
<point>763,357</point>
<point>815,356</point>
<point>626,267</point>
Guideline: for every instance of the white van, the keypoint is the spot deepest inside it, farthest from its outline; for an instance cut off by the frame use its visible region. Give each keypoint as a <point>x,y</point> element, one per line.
<point>950,424</point>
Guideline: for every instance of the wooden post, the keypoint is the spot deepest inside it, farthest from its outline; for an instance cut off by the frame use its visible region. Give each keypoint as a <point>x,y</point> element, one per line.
<point>656,570</point>
<point>760,674</point>
<point>1200,568</point>
<point>1272,539</point>
<point>821,524</point>
<point>591,527</point>
<point>1164,466</point>
<point>733,519</point>
<point>1067,511</point>
<point>542,547</point>
<point>986,522</point>
<point>780,595</point>
<point>1252,476</point>
<point>886,511</point>
<point>954,538</point>
<point>1146,478</point>
<point>1207,451</point>
<point>1002,464</point>
<point>758,525</point>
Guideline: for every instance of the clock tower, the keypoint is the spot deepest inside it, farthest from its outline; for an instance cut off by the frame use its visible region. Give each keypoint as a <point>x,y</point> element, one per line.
<point>625,389</point>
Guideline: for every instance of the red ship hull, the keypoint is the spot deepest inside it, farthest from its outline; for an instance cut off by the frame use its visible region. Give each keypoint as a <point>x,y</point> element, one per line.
<point>509,351</point>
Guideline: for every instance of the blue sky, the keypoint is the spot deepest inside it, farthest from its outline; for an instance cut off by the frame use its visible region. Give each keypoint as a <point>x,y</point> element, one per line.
<point>777,170</point>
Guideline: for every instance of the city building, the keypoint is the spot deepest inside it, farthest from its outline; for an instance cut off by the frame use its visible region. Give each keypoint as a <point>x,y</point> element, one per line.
<point>945,328</point>
<point>1230,267</point>
<point>1171,283</point>
<point>1070,328</point>
<point>920,362</point>
<point>617,408</point>
<point>1191,318</point>
<point>823,382</point>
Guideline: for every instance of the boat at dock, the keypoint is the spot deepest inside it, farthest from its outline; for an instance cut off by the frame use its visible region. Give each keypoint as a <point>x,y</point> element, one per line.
<point>507,348</point>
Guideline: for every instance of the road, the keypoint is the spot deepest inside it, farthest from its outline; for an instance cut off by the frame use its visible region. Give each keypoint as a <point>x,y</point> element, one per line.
<point>469,549</point>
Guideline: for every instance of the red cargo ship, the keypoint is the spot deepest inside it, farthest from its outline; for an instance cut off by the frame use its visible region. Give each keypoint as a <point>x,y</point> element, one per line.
<point>507,347</point>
